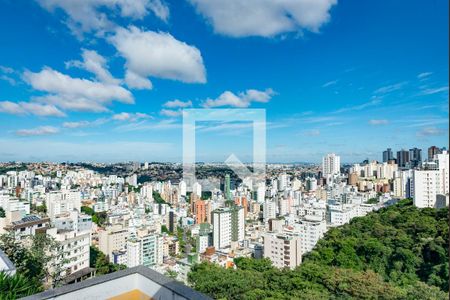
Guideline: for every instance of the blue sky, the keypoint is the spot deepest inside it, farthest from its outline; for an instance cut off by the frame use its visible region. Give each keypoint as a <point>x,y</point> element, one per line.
<point>106,80</point>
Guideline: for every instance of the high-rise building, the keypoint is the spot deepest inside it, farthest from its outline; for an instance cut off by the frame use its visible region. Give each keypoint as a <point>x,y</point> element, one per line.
<point>402,158</point>
<point>111,239</point>
<point>415,157</point>
<point>353,178</point>
<point>431,185</point>
<point>331,164</point>
<point>443,167</point>
<point>269,210</point>
<point>182,187</point>
<point>283,181</point>
<point>197,189</point>
<point>283,250</point>
<point>312,229</point>
<point>228,226</point>
<point>311,184</point>
<point>388,155</point>
<point>426,186</point>
<point>202,211</point>
<point>146,248</point>
<point>227,187</point>
<point>261,192</point>
<point>432,151</point>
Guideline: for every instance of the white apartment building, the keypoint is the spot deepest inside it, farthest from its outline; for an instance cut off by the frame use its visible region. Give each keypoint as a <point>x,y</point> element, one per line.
<point>202,243</point>
<point>342,214</point>
<point>228,226</point>
<point>283,250</point>
<point>183,188</point>
<point>261,192</point>
<point>113,238</point>
<point>145,249</point>
<point>197,189</point>
<point>311,229</point>
<point>443,165</point>
<point>74,236</point>
<point>269,210</point>
<point>283,181</point>
<point>331,165</point>
<point>58,202</point>
<point>426,187</point>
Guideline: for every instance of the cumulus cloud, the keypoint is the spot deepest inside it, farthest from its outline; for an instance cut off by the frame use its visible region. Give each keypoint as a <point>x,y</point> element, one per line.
<point>132,117</point>
<point>171,113</point>
<point>378,122</point>
<point>157,54</point>
<point>75,93</point>
<point>92,15</point>
<point>242,99</point>
<point>28,108</point>
<point>136,81</point>
<point>42,130</point>
<point>264,18</point>
<point>178,104</point>
<point>96,64</point>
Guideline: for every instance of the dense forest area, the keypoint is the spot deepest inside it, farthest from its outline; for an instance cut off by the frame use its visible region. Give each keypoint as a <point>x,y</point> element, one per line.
<point>399,252</point>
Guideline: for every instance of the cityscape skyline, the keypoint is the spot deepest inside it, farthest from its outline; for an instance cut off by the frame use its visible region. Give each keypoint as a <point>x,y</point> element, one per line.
<point>82,94</point>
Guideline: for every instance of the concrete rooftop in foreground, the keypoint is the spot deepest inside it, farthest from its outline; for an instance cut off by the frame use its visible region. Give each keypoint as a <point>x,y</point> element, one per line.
<point>132,284</point>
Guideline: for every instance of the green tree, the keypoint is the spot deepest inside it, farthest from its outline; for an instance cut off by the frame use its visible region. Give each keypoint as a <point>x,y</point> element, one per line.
<point>398,252</point>
<point>41,261</point>
<point>17,286</point>
<point>101,263</point>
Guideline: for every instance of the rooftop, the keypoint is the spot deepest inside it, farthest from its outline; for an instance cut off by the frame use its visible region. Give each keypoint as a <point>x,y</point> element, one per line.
<point>134,283</point>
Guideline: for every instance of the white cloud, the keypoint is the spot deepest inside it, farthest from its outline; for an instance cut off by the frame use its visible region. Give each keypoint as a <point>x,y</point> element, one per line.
<point>76,124</point>
<point>378,122</point>
<point>178,103</point>
<point>157,54</point>
<point>96,64</point>
<point>265,18</point>
<point>42,130</point>
<point>144,125</point>
<point>171,113</point>
<point>132,117</point>
<point>92,15</point>
<point>390,88</point>
<point>373,102</point>
<point>432,91</point>
<point>76,93</point>
<point>329,83</point>
<point>243,99</point>
<point>81,124</point>
<point>27,108</point>
<point>424,75</point>
<point>430,131</point>
<point>6,70</point>
<point>136,81</point>
<point>5,74</point>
